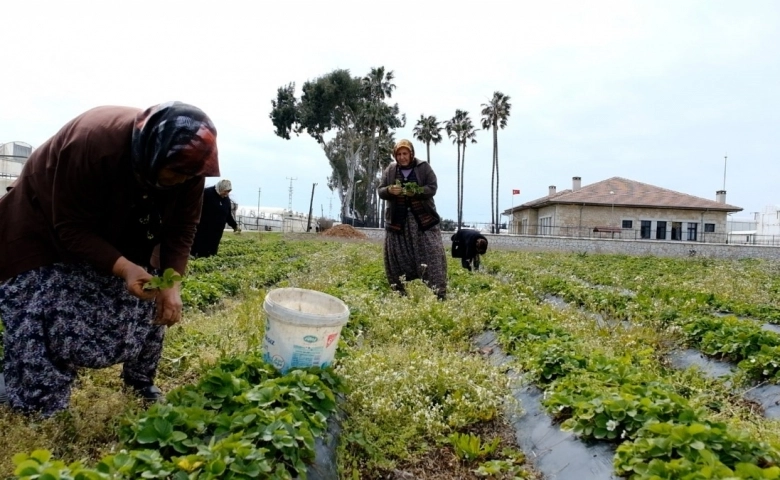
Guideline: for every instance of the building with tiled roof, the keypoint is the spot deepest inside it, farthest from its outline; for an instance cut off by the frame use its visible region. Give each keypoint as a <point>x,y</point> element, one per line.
<point>623,208</point>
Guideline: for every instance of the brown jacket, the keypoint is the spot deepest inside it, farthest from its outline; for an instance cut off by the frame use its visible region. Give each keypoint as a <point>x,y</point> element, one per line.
<point>425,177</point>
<point>72,200</point>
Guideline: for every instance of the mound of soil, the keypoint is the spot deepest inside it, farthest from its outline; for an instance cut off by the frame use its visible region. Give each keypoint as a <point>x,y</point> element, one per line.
<point>343,231</point>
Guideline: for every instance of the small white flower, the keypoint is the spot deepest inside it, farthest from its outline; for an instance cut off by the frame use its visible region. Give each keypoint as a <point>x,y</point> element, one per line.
<point>612,425</point>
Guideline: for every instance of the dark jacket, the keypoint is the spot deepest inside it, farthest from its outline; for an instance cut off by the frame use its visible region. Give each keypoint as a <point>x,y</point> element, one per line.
<point>466,240</point>
<point>76,198</point>
<point>425,177</point>
<point>216,212</point>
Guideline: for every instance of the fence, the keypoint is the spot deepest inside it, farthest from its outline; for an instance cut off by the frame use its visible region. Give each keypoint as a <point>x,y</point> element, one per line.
<point>260,224</point>
<point>665,234</point>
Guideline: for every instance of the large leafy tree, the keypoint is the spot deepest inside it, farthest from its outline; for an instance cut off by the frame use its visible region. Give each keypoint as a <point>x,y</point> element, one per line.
<point>379,119</point>
<point>461,130</point>
<point>495,114</point>
<point>428,130</point>
<point>353,111</point>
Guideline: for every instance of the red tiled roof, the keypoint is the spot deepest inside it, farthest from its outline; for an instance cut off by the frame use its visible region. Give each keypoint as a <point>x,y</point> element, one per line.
<point>627,193</point>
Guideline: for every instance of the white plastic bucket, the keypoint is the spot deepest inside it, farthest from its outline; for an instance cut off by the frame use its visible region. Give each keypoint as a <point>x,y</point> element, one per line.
<point>302,328</point>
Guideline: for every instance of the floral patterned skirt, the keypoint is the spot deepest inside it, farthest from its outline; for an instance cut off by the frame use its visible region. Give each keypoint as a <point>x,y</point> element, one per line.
<point>413,254</point>
<point>62,317</point>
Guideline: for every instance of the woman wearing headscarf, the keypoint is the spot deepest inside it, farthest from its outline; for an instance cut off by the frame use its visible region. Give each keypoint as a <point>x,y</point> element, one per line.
<point>217,211</point>
<point>77,233</point>
<point>413,245</point>
<point>468,245</point>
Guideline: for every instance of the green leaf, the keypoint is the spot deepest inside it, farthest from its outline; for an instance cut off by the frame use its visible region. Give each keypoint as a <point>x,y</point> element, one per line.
<point>698,445</point>
<point>167,280</point>
<point>148,434</point>
<point>216,467</point>
<point>163,428</point>
<point>19,458</point>
<point>42,456</point>
<point>27,468</point>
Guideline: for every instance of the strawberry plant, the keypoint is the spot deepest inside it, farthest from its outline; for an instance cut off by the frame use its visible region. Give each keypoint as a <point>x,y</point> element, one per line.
<point>553,359</point>
<point>743,341</point>
<point>764,364</point>
<point>167,280</point>
<point>669,450</point>
<point>408,188</point>
<point>222,427</point>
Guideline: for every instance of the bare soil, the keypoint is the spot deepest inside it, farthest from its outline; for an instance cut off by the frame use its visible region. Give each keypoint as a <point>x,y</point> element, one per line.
<point>441,463</point>
<point>344,231</point>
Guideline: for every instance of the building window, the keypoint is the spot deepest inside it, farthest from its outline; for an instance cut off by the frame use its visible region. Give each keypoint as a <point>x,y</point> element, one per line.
<point>692,231</point>
<point>524,226</point>
<point>545,226</point>
<point>660,230</point>
<point>676,230</point>
<point>644,231</point>
<point>709,228</point>
<point>628,224</point>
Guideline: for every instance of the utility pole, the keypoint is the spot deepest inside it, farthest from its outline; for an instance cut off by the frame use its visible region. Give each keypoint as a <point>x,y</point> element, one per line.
<point>725,159</point>
<point>311,205</point>
<point>257,215</point>
<point>259,190</point>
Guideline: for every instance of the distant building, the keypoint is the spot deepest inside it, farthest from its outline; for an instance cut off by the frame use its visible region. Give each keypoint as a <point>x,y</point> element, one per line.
<point>271,219</point>
<point>623,208</point>
<point>768,221</point>
<point>13,156</point>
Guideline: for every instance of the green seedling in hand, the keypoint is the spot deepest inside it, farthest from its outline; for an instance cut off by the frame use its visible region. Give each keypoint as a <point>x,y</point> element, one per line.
<point>167,280</point>
<point>412,187</point>
<point>409,187</point>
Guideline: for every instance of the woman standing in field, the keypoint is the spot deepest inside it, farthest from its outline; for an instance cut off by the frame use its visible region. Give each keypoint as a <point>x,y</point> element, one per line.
<point>413,246</point>
<point>77,233</point>
<point>215,214</point>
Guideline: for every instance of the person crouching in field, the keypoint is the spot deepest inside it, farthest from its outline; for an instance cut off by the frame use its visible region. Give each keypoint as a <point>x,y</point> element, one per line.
<point>77,235</point>
<point>468,245</point>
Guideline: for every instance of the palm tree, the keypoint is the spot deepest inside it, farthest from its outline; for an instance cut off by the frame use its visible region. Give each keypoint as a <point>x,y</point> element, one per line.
<point>461,129</point>
<point>378,119</point>
<point>378,84</point>
<point>495,114</point>
<point>427,130</point>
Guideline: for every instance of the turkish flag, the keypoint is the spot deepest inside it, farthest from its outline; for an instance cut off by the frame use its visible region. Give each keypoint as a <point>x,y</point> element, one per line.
<point>515,192</point>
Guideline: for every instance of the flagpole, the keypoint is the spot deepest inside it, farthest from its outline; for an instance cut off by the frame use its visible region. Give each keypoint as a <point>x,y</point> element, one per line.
<point>512,216</point>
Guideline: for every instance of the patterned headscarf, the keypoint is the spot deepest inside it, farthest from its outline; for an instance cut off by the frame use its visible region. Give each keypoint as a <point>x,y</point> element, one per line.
<point>404,144</point>
<point>223,186</point>
<point>174,135</point>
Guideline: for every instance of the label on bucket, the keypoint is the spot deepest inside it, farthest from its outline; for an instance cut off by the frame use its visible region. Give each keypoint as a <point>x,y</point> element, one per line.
<point>306,356</point>
<point>288,346</point>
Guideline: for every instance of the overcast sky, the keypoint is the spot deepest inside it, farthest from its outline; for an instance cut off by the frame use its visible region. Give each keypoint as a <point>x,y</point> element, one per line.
<point>656,92</point>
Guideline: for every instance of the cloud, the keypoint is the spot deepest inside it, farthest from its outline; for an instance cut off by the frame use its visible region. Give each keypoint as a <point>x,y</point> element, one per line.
<point>656,92</point>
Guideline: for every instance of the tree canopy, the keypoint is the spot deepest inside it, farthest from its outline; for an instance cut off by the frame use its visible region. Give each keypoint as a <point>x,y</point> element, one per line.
<point>355,111</point>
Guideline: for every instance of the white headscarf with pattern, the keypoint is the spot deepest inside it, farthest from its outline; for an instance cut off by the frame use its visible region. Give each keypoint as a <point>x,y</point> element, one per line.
<point>224,186</point>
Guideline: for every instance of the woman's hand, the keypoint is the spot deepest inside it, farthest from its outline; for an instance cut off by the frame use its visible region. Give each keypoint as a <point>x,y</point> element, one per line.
<point>395,189</point>
<point>168,311</point>
<point>135,278</point>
